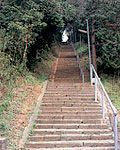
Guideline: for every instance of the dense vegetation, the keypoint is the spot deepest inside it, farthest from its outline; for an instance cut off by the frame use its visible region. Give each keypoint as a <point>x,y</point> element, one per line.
<point>28,28</point>
<point>105,17</point>
<point>104,21</point>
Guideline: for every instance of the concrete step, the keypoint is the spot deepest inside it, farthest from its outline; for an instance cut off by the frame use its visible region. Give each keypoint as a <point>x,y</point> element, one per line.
<point>72,109</point>
<point>67,63</point>
<point>69,116</point>
<point>79,98</point>
<point>76,148</point>
<point>71,61</point>
<point>70,91</point>
<point>86,99</point>
<point>65,77</point>
<point>64,104</point>
<point>69,95</point>
<point>71,126</point>
<point>75,73</point>
<point>68,81</point>
<point>73,113</point>
<point>67,89</point>
<point>62,65</point>
<point>55,90</point>
<point>63,144</point>
<point>70,137</point>
<point>69,121</point>
<point>70,101</point>
<point>70,131</point>
<point>79,88</point>
<point>69,85</point>
<point>67,66</point>
<point>67,71</point>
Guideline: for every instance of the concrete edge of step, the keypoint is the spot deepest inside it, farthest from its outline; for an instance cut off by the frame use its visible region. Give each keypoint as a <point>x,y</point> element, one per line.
<point>75,148</point>
<point>75,142</point>
<point>54,71</point>
<point>33,117</point>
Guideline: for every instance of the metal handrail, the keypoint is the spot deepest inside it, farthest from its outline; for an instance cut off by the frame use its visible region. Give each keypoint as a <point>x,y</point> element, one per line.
<point>104,93</point>
<point>78,61</point>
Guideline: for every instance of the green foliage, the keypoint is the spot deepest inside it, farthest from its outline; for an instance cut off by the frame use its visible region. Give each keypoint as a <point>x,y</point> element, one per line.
<point>112,85</point>
<point>28,28</point>
<point>77,44</point>
<point>20,26</point>
<point>82,49</point>
<point>69,12</point>
<point>105,17</point>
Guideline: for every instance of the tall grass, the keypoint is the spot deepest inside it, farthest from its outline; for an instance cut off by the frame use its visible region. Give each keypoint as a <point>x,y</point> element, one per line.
<point>112,85</point>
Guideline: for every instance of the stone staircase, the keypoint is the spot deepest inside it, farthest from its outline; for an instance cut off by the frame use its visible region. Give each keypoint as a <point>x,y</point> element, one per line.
<point>69,118</point>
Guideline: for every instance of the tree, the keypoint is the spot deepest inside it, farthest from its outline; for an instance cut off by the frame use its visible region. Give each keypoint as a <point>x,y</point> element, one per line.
<point>106,31</point>
<point>30,27</point>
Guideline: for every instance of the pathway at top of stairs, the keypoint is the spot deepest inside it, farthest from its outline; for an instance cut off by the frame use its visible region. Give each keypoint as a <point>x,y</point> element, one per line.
<point>70,119</point>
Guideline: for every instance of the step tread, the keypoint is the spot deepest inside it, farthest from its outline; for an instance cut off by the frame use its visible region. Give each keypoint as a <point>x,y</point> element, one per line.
<point>77,141</point>
<point>65,119</point>
<point>73,135</point>
<point>75,148</point>
<point>75,124</point>
<point>72,130</point>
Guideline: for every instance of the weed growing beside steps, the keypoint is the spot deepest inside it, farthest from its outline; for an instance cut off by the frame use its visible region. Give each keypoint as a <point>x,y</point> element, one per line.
<point>112,86</point>
<point>82,49</point>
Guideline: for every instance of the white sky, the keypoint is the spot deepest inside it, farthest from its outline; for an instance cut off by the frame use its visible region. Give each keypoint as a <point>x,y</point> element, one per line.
<point>64,36</point>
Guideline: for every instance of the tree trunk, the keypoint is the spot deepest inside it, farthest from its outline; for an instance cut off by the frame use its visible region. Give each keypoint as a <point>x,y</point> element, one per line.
<point>93,47</point>
<point>24,55</point>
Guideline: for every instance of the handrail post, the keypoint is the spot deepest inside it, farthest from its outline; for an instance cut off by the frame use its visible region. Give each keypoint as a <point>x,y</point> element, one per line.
<point>83,78</point>
<point>80,40</point>
<point>103,105</point>
<point>91,74</point>
<point>89,47</point>
<point>95,88</point>
<point>70,37</point>
<point>115,132</point>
